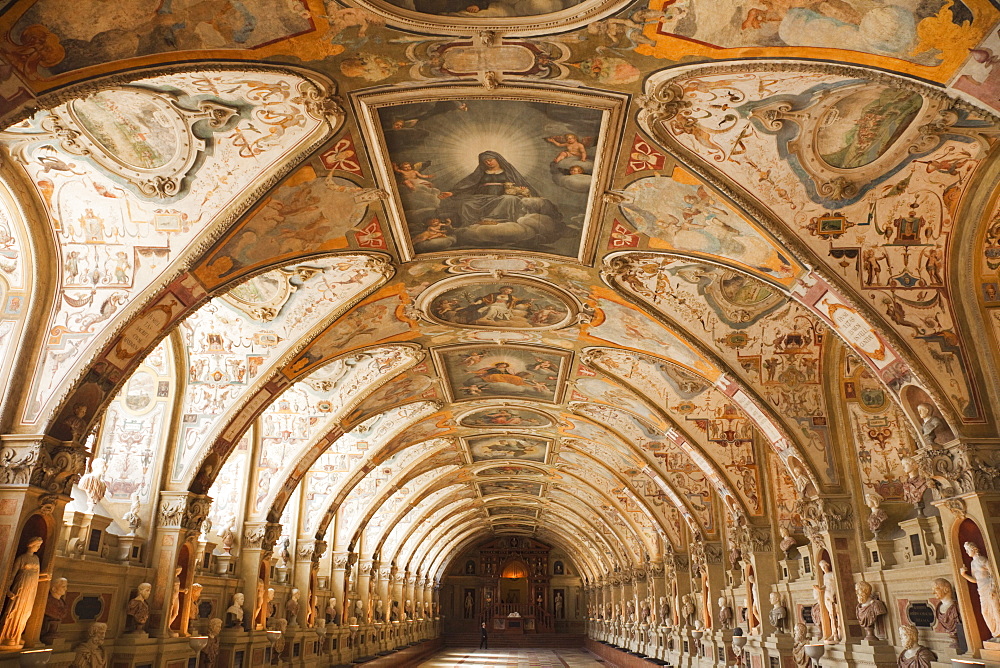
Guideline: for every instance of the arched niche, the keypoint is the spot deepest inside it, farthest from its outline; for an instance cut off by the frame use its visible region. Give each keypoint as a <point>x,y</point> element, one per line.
<point>967,531</point>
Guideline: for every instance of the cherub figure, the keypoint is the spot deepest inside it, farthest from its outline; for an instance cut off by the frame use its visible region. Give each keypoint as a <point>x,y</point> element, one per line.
<point>571,145</point>
<point>410,175</point>
<point>435,229</point>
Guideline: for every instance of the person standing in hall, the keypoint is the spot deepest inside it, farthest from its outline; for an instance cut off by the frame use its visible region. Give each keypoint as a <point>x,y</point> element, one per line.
<point>483,638</point>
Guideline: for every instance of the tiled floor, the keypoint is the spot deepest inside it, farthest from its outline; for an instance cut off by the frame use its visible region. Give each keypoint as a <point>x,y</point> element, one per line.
<point>514,658</point>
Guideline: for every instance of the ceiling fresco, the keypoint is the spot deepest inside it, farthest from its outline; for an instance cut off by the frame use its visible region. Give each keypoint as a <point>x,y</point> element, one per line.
<point>403,274</point>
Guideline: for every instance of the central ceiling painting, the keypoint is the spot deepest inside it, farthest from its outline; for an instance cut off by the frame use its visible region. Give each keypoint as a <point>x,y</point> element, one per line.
<point>476,372</point>
<point>468,171</point>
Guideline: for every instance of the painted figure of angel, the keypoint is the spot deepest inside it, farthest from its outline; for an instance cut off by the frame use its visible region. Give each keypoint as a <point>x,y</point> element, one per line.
<point>572,146</point>
<point>409,174</point>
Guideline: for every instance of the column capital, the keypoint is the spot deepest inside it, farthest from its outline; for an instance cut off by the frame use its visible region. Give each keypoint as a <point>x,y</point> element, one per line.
<point>183,510</point>
<point>261,535</point>
<point>310,550</point>
<point>41,461</point>
<point>341,560</point>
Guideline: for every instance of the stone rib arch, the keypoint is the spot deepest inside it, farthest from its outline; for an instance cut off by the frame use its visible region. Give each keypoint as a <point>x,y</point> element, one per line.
<point>639,532</point>
<point>394,486</point>
<point>36,252</point>
<point>713,486</point>
<point>328,433</point>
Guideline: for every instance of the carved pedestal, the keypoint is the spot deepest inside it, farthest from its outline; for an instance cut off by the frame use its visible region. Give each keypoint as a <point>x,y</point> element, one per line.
<point>868,654</point>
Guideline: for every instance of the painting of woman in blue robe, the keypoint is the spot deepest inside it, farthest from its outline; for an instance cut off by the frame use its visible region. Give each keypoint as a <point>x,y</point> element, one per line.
<point>516,196</point>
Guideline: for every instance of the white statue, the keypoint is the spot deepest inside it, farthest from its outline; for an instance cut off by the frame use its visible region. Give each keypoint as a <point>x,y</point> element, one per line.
<point>133,516</point>
<point>830,600</point>
<point>228,534</point>
<point>93,484</point>
<point>292,606</point>
<point>779,613</point>
<point>21,593</point>
<point>725,613</point>
<point>90,653</point>
<point>234,613</point>
<point>175,600</point>
<point>558,603</point>
<point>989,598</point>
<point>787,542</point>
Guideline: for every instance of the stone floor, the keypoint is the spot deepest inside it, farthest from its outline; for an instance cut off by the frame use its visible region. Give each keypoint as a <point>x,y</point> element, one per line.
<point>514,658</point>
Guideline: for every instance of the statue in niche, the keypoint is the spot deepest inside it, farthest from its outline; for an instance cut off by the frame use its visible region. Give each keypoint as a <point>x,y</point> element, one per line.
<point>629,612</point>
<point>210,652</point>
<point>195,599</point>
<point>394,612</point>
<point>234,613</point>
<point>93,484</point>
<point>292,607</point>
<point>982,576</point>
<point>877,517</point>
<point>913,654</point>
<point>55,610</point>
<point>90,653</point>
<point>800,638</point>
<point>946,611</point>
<point>133,516</point>
<point>734,557</point>
<point>687,610</point>
<point>787,542</point>
<point>664,611</point>
<point>914,485</point>
<point>359,611</point>
<point>779,613</point>
<point>379,610</point>
<point>830,601</point>
<point>933,428</point>
<point>725,614</point>
<point>137,610</point>
<point>408,610</point>
<point>21,593</point>
<point>332,616</point>
<point>175,600</point>
<point>257,620</point>
<point>644,610</point>
<point>869,609</point>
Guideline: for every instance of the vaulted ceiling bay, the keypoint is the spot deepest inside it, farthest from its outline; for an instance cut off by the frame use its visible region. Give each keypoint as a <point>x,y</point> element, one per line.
<point>367,324</point>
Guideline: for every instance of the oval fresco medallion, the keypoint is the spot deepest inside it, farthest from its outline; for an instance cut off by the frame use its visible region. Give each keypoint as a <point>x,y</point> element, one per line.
<point>509,471</point>
<point>505,416</point>
<point>524,17</point>
<point>861,127</point>
<point>508,303</point>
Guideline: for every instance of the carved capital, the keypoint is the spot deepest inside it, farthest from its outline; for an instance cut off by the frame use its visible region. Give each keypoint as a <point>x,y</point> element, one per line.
<point>822,515</point>
<point>261,536</point>
<point>310,550</point>
<point>962,468</point>
<point>341,560</point>
<point>41,461</point>
<point>182,510</point>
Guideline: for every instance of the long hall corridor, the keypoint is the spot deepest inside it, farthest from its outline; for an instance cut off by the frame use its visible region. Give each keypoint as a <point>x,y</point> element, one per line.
<point>514,658</point>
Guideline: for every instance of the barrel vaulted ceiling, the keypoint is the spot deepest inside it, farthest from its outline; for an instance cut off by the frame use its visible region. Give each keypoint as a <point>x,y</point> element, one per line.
<point>415,273</point>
